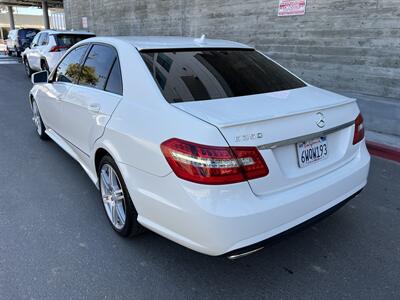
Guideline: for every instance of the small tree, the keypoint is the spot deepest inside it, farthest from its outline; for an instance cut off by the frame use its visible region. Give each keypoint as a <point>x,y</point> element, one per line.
<point>3,9</point>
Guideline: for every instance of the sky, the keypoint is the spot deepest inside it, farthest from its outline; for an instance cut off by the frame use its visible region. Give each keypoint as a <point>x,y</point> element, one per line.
<point>28,10</point>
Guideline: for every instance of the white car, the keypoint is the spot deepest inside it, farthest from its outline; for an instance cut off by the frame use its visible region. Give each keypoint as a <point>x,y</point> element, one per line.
<point>208,143</point>
<point>48,47</point>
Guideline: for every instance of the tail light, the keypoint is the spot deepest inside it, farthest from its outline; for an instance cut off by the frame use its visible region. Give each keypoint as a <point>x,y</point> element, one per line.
<point>359,129</point>
<point>58,48</point>
<point>211,164</point>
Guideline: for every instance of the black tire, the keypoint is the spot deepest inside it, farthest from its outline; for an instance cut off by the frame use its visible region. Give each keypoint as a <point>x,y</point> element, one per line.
<point>131,226</point>
<point>28,70</point>
<point>44,66</point>
<point>9,52</point>
<point>38,122</point>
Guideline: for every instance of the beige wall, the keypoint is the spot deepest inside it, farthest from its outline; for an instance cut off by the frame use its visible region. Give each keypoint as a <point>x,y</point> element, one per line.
<point>22,21</point>
<point>343,45</point>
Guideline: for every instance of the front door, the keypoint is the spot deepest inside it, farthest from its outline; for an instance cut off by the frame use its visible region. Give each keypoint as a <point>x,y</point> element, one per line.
<point>42,45</point>
<point>88,105</point>
<point>33,53</point>
<point>61,81</point>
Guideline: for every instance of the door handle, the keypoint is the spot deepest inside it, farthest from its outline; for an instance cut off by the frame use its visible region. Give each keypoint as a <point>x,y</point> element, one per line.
<point>94,107</point>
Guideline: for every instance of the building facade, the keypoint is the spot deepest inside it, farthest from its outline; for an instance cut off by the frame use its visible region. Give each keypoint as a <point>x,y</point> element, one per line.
<point>348,46</point>
<point>30,21</point>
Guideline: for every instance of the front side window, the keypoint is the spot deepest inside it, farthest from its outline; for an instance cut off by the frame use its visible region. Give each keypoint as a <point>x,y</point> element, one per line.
<point>69,69</point>
<point>206,74</point>
<point>97,66</point>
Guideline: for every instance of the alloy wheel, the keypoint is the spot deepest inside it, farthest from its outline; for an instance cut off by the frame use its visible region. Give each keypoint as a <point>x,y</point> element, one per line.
<point>27,69</point>
<point>113,196</point>
<point>37,121</point>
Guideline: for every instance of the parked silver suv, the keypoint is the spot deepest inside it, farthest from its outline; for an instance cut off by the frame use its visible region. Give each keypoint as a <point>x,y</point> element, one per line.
<point>48,47</point>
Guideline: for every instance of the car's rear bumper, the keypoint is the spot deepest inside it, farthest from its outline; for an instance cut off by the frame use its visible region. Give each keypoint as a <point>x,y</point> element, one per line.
<point>276,238</point>
<point>216,220</point>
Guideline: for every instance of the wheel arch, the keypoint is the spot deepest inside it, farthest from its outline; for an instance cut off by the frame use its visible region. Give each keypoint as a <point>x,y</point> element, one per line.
<point>99,154</point>
<point>43,59</point>
<point>31,99</point>
<point>101,149</point>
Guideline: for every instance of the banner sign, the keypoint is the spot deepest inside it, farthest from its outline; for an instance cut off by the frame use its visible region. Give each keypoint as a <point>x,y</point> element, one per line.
<point>291,7</point>
<point>84,22</point>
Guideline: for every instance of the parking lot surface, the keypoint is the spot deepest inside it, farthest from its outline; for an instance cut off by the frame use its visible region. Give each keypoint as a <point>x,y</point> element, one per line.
<point>56,243</point>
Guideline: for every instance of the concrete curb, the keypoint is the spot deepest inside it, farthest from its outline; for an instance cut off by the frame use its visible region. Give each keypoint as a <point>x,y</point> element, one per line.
<point>384,151</point>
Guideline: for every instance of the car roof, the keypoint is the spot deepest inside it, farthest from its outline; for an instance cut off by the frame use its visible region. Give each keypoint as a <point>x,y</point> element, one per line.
<point>28,28</point>
<point>51,31</point>
<point>171,42</point>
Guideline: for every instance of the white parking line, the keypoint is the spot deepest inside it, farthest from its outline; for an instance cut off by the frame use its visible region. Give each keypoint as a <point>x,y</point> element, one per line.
<point>7,60</point>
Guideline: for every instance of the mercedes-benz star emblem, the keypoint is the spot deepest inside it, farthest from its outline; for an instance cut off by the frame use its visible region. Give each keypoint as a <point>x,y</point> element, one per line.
<point>320,120</point>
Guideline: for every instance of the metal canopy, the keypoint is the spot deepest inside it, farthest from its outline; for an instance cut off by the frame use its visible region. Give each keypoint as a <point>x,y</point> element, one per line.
<point>36,3</point>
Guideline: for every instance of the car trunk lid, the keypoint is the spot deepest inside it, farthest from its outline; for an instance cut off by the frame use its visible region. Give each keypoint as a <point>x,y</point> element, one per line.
<point>275,122</point>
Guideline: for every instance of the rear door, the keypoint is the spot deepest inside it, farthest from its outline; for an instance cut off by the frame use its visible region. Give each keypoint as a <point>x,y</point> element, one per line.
<point>89,105</point>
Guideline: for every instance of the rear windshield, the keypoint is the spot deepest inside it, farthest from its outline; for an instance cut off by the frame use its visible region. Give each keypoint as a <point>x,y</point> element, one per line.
<point>68,40</point>
<point>195,75</point>
<point>27,33</point>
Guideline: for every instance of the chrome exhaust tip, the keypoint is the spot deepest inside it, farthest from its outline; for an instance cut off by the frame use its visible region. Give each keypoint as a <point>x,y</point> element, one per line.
<point>240,255</point>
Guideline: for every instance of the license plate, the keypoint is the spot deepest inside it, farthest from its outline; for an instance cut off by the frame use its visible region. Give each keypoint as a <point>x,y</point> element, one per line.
<point>311,151</point>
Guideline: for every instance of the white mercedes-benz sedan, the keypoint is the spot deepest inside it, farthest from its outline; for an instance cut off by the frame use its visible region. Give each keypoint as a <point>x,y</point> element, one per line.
<point>208,143</point>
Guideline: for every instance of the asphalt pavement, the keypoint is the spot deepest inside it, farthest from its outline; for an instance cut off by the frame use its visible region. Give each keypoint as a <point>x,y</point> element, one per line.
<point>56,243</point>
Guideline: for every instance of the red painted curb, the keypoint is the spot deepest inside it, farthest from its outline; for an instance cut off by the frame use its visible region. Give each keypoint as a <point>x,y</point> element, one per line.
<point>384,151</point>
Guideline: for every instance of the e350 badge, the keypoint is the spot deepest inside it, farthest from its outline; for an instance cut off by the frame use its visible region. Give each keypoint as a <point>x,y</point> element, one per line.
<point>248,137</point>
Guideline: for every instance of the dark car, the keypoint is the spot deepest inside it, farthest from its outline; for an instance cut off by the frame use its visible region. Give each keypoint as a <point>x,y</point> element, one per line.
<point>19,39</point>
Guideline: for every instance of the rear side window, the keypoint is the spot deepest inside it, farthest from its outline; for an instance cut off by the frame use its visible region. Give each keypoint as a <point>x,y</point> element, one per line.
<point>27,33</point>
<point>68,40</point>
<point>97,66</point>
<point>114,82</point>
<point>195,75</point>
<point>43,39</point>
<point>35,40</point>
<point>69,69</point>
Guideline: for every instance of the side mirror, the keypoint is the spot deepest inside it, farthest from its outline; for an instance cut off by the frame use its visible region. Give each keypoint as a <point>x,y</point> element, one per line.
<point>40,77</point>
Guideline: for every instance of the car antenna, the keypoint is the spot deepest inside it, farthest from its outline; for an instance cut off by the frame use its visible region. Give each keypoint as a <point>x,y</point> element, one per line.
<point>201,39</point>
